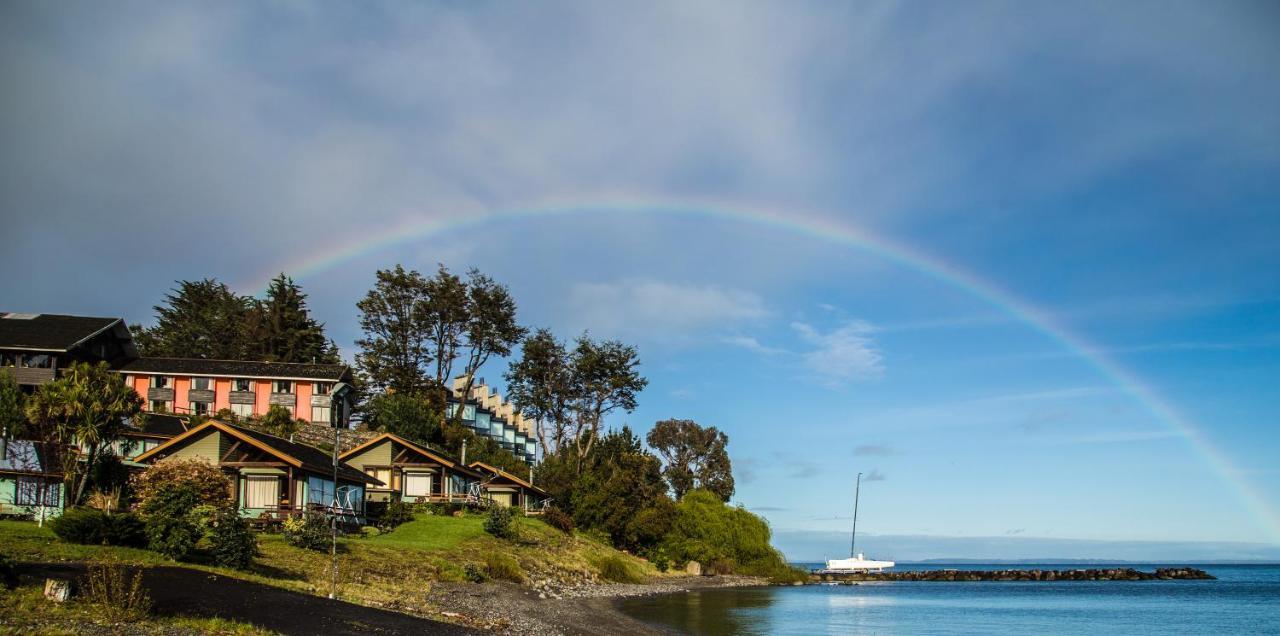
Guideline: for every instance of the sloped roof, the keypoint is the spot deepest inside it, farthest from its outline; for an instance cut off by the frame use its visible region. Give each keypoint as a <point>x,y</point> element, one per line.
<point>21,456</point>
<point>50,332</point>
<point>421,449</point>
<point>157,425</point>
<point>238,368</point>
<point>301,456</point>
<point>508,476</point>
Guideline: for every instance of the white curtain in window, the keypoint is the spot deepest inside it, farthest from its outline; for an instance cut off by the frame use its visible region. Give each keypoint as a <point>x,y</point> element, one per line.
<point>261,491</point>
<point>417,484</point>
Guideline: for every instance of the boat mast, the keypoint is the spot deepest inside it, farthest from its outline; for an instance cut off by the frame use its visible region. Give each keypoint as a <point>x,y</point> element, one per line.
<point>853,541</point>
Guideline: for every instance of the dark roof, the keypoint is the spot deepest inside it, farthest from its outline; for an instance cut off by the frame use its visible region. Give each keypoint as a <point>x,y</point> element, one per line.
<point>158,425</point>
<point>312,458</point>
<point>238,368</point>
<point>49,332</point>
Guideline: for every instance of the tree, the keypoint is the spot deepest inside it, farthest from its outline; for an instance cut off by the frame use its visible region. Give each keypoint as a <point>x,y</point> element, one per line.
<point>695,457</point>
<point>393,352</point>
<point>86,407</point>
<point>491,328</point>
<point>409,416</point>
<point>620,492</point>
<point>13,420</point>
<point>280,422</point>
<point>541,385</point>
<point>282,330</point>
<point>605,378</point>
<point>199,319</point>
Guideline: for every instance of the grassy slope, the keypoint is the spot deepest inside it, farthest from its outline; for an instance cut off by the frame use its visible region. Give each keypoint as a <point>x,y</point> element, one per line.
<point>394,570</point>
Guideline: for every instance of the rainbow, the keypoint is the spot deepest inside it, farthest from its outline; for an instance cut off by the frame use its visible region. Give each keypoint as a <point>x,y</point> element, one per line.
<point>826,229</point>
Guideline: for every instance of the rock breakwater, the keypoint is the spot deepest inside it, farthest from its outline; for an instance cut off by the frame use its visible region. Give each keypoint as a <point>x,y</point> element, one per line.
<point>1092,574</point>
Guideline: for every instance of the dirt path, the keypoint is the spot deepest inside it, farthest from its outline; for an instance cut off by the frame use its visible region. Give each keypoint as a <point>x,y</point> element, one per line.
<point>180,591</point>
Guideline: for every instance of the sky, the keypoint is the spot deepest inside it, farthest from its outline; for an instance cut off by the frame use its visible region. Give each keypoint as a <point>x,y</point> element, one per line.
<point>1015,262</point>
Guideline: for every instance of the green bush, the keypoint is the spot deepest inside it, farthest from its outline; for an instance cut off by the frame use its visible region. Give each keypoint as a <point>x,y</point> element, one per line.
<point>619,570</point>
<point>558,519</point>
<point>397,513</point>
<point>310,532</point>
<point>94,527</point>
<point>498,522</point>
<point>233,544</point>
<point>723,538</point>
<point>503,568</point>
<point>370,531</point>
<point>172,536</point>
<point>474,573</point>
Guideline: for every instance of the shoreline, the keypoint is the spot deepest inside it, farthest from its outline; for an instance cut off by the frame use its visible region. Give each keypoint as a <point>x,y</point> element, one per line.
<point>509,608</point>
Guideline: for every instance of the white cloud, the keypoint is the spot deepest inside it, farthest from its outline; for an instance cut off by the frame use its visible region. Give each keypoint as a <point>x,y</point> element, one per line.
<point>661,311</point>
<point>752,344</point>
<point>846,354</point>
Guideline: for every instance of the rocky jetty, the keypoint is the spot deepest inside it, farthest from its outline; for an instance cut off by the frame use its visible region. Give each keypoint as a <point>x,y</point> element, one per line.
<point>1105,574</point>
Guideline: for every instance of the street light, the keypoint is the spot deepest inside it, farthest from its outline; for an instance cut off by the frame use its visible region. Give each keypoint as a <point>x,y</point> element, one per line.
<point>339,416</point>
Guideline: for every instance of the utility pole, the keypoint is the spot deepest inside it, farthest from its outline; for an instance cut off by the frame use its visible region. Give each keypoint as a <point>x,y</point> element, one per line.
<point>338,418</point>
<point>853,542</point>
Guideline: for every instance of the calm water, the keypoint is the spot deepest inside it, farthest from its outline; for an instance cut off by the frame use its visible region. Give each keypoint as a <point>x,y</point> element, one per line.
<point>1244,600</point>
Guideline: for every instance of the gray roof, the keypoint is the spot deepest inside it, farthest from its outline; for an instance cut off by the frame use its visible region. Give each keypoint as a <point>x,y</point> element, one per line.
<point>238,368</point>
<point>51,332</point>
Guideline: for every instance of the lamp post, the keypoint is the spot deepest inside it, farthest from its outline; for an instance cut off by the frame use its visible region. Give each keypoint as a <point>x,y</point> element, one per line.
<point>339,415</point>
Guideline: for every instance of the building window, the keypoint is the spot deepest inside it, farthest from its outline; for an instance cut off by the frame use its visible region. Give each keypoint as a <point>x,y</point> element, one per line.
<point>241,385</point>
<point>200,408</point>
<point>8,359</point>
<point>36,361</point>
<point>320,414</point>
<point>284,386</point>
<point>29,492</point>
<point>261,491</point>
<point>201,384</point>
<point>159,382</point>
<point>417,485</point>
<point>242,410</point>
<point>381,474</point>
<point>321,388</point>
<point>161,406</point>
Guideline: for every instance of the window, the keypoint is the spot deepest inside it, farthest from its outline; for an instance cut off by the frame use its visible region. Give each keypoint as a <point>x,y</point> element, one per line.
<point>417,485</point>
<point>242,410</point>
<point>161,406</point>
<point>36,361</point>
<point>321,388</point>
<point>201,384</point>
<point>8,359</point>
<point>284,386</point>
<point>320,414</point>
<point>29,492</point>
<point>381,474</point>
<point>200,408</point>
<point>242,385</point>
<point>159,382</point>
<point>261,491</point>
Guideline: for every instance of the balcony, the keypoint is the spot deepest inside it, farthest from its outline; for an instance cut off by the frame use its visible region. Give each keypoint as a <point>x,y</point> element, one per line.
<point>283,399</point>
<point>160,394</point>
<point>243,397</point>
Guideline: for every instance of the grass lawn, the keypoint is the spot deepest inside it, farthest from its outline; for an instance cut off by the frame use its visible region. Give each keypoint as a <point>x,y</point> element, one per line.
<point>25,611</point>
<point>394,570</point>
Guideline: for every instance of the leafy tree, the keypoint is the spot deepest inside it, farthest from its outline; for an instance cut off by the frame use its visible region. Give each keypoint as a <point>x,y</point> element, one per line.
<point>207,483</point>
<point>406,415</point>
<point>280,422</point>
<point>490,328</point>
<point>695,457</point>
<point>620,492</point>
<point>86,407</point>
<point>13,420</point>
<point>541,385</point>
<point>605,379</point>
<point>199,319</point>
<point>282,330</point>
<point>704,529</point>
<point>393,352</point>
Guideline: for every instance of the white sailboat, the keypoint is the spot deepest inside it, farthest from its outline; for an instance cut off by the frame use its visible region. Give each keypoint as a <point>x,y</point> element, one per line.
<point>857,562</point>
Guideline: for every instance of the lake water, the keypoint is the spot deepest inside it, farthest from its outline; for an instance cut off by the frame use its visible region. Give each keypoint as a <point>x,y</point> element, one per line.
<point>1244,600</point>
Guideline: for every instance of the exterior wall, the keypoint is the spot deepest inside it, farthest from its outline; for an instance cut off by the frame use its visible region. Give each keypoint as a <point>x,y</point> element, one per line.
<point>9,493</point>
<point>262,396</point>
<point>302,406</point>
<point>222,394</point>
<point>210,448</point>
<point>180,387</point>
<point>140,385</point>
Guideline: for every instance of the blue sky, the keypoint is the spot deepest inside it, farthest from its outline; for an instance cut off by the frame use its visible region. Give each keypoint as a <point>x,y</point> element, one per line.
<point>1111,166</point>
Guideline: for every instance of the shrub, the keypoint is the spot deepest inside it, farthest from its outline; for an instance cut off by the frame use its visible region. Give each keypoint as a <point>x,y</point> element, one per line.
<point>503,568</point>
<point>8,571</point>
<point>124,528</point>
<point>396,514</point>
<point>474,573</point>
<point>498,522</point>
<point>172,536</point>
<point>370,531</point>
<point>206,483</point>
<point>619,570</point>
<point>721,537</point>
<point>232,543</point>
<point>120,595</point>
<point>310,532</point>
<point>558,519</point>
<point>79,525</point>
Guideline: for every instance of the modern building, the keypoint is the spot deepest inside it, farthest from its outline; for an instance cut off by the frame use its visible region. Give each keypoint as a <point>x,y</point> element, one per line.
<point>34,347</point>
<point>189,386</point>
<point>488,415</point>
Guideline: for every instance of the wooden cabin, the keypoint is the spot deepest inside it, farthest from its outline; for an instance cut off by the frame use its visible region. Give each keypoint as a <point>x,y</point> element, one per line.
<point>506,489</point>
<point>273,477</point>
<point>414,472</point>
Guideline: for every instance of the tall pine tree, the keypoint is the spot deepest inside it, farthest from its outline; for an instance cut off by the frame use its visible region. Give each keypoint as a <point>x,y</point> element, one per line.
<point>283,330</point>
